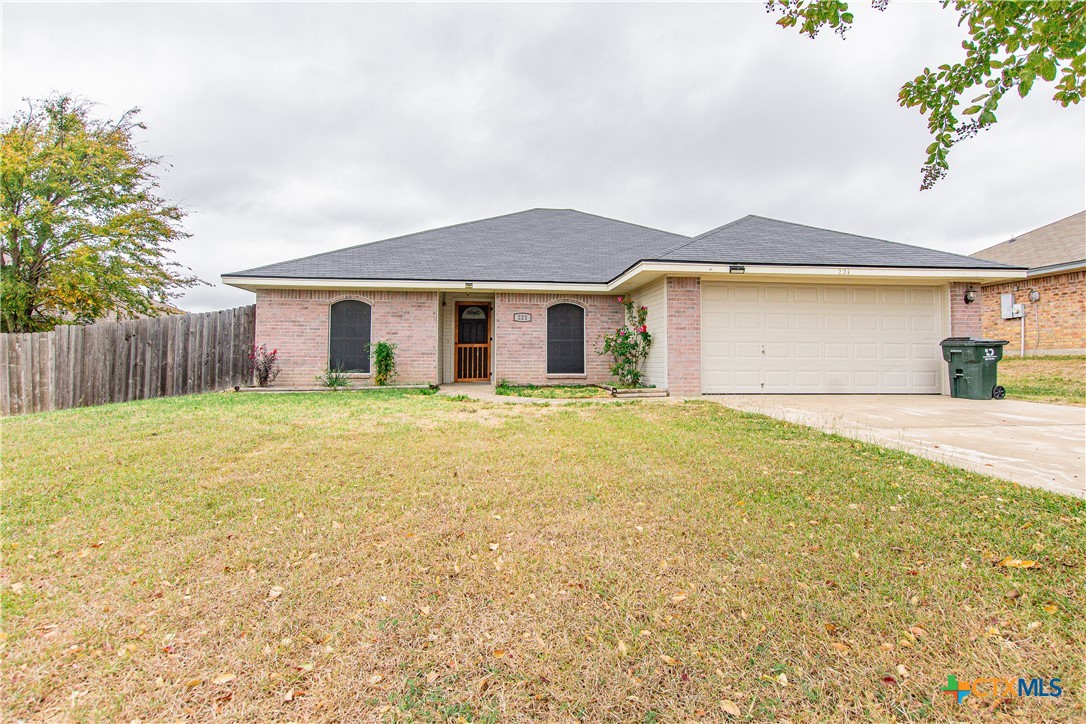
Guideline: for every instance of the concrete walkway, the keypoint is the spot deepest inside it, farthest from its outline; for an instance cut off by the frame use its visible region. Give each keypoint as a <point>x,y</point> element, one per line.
<point>1031,443</point>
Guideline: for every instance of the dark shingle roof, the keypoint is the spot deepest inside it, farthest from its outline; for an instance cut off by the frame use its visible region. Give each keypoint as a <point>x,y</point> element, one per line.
<point>758,240</point>
<point>567,246</point>
<point>538,245</point>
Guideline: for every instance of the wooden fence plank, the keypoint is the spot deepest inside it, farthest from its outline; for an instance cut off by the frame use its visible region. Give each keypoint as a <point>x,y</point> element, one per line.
<point>76,366</point>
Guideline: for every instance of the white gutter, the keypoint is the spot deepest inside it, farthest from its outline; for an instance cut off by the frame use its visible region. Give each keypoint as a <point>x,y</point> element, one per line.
<point>626,278</point>
<point>1041,271</point>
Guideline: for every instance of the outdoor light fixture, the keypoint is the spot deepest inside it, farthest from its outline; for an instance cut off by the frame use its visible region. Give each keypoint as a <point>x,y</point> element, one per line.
<point>1034,295</point>
<point>736,269</point>
<point>970,296</point>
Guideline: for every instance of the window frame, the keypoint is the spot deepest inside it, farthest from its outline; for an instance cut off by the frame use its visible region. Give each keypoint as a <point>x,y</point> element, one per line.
<point>584,340</point>
<point>328,357</point>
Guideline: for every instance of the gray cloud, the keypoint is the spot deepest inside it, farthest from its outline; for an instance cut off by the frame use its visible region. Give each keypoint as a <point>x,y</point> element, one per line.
<point>293,129</point>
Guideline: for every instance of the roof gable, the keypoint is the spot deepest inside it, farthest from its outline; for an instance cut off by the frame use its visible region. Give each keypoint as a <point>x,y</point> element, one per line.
<point>1061,242</point>
<point>758,240</point>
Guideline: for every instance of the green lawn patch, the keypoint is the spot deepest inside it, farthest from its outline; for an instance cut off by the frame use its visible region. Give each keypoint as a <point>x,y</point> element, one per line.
<point>551,391</point>
<point>395,556</point>
<point>1045,379</point>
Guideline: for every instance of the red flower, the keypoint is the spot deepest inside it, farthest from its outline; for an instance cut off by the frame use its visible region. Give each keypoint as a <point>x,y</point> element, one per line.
<point>620,299</point>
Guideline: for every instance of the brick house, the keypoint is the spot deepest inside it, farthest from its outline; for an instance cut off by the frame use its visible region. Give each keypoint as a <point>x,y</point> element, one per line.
<point>756,305</point>
<point>1045,313</point>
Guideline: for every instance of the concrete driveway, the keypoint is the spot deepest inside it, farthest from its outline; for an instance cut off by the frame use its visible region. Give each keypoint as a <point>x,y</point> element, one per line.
<point>1031,443</point>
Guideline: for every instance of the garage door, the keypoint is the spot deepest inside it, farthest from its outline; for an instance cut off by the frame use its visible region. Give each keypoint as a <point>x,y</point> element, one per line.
<point>782,338</point>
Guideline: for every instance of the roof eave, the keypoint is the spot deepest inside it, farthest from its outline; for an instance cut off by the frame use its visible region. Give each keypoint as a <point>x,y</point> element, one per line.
<point>648,268</point>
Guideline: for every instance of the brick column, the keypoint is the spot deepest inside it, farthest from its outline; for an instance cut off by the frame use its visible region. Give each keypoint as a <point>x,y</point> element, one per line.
<point>965,319</point>
<point>684,336</point>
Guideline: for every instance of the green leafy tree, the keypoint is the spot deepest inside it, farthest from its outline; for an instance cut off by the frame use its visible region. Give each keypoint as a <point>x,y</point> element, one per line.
<point>1011,46</point>
<point>84,231</point>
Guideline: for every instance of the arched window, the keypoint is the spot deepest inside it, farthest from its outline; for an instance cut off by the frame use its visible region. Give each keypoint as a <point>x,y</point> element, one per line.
<point>349,337</point>
<point>565,340</point>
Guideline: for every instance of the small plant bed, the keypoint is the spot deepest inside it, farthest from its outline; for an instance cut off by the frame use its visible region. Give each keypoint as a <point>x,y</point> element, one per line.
<point>553,392</point>
<point>634,391</point>
<point>366,388</point>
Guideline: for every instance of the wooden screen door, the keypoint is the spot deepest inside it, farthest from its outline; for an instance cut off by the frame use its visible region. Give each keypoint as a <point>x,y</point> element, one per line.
<point>472,342</point>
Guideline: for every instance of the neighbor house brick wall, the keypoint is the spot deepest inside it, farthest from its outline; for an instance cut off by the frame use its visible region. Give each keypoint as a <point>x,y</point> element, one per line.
<point>965,319</point>
<point>684,336</point>
<point>295,321</point>
<point>520,348</point>
<point>1055,323</point>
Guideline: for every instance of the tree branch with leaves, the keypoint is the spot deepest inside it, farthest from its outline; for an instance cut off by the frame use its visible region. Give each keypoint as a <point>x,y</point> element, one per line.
<point>1011,46</point>
<point>83,230</point>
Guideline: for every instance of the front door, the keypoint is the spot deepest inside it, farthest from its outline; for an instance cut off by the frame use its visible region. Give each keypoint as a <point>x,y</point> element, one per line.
<point>472,342</point>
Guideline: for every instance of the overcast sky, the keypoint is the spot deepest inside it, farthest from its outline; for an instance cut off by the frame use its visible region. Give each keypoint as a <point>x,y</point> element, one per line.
<point>292,129</point>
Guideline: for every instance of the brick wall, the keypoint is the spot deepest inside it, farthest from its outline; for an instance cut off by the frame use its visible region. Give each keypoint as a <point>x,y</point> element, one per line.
<point>520,348</point>
<point>684,336</point>
<point>295,321</point>
<point>1055,323</point>
<point>965,319</point>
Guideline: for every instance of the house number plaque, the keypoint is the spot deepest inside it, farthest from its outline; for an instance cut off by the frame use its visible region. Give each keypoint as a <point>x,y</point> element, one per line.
<point>522,317</point>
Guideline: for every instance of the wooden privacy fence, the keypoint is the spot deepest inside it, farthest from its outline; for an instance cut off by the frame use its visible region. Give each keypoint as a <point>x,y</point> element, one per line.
<point>132,360</point>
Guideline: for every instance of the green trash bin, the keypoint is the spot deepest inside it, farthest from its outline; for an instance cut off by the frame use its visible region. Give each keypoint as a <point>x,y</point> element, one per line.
<point>972,366</point>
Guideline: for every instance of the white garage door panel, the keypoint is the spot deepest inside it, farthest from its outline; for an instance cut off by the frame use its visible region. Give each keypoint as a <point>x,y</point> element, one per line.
<point>780,338</point>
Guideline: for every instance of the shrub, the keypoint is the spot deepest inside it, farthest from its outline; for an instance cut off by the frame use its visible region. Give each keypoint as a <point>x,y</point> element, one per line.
<point>336,379</point>
<point>263,365</point>
<point>629,345</point>
<point>384,362</point>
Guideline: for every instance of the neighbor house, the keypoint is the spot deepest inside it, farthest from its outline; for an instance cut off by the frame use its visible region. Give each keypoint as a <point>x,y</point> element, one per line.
<point>1045,313</point>
<point>756,305</point>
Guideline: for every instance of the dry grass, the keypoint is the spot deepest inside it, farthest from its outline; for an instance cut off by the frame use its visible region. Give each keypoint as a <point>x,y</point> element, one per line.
<point>395,556</point>
<point>1045,379</point>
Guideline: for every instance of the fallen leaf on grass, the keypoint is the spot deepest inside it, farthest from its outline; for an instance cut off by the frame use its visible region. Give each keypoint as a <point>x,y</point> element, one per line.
<point>431,677</point>
<point>274,593</point>
<point>729,707</point>
<point>1010,562</point>
<point>623,648</point>
<point>223,679</point>
<point>888,680</point>
<point>1050,608</point>
<point>839,646</point>
<point>670,661</point>
<point>783,679</point>
<point>193,683</point>
<point>376,679</point>
<point>918,631</point>
<point>678,598</point>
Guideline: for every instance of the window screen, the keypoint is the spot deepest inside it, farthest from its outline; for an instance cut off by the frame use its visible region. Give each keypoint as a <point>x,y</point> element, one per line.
<point>349,343</point>
<point>565,340</point>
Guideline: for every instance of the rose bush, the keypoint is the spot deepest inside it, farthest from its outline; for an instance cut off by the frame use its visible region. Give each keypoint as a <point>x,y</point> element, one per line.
<point>629,345</point>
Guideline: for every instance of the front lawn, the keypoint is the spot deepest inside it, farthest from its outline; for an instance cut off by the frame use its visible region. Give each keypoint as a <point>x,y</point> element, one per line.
<point>396,556</point>
<point>1044,379</point>
<point>552,392</point>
